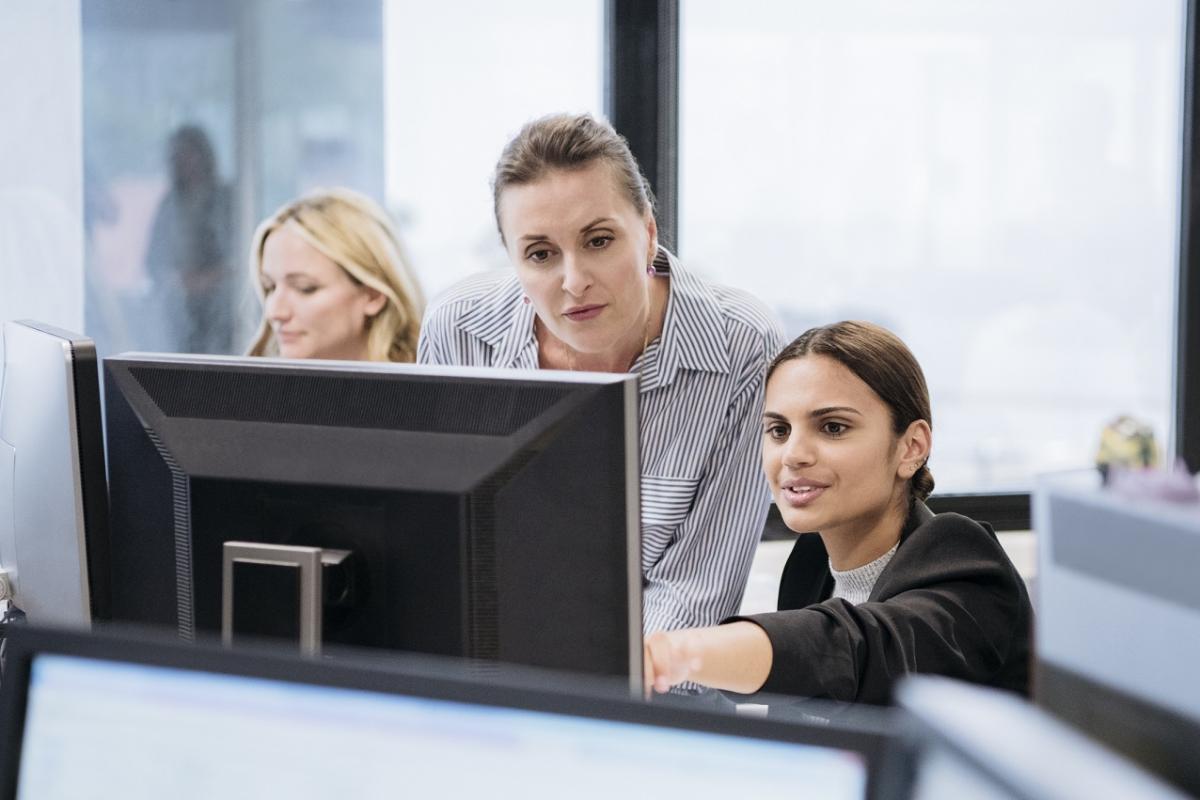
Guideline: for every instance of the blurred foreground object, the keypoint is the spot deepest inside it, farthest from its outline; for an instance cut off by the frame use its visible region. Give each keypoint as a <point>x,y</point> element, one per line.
<point>1175,485</point>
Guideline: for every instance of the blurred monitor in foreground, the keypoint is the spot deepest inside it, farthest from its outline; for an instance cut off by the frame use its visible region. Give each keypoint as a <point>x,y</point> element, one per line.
<point>983,744</point>
<point>53,502</point>
<point>100,717</point>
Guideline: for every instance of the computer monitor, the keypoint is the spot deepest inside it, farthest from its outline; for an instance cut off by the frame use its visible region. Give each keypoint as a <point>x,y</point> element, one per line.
<point>97,716</point>
<point>971,741</point>
<point>53,505</point>
<point>474,512</point>
<point>1118,633</point>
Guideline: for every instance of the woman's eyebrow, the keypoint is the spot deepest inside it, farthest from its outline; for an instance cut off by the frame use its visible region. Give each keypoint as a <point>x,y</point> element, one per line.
<point>594,223</point>
<point>771,415</point>
<point>820,412</point>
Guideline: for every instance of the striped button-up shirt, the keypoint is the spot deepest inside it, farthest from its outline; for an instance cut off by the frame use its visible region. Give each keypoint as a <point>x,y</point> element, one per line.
<point>704,498</point>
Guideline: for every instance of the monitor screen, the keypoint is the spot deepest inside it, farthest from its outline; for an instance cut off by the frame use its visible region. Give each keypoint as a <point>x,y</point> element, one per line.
<point>108,729</point>
<point>471,512</point>
<point>53,503</point>
<point>115,714</point>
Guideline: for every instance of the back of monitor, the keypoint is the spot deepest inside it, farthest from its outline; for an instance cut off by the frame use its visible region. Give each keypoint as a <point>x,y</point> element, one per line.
<point>43,536</point>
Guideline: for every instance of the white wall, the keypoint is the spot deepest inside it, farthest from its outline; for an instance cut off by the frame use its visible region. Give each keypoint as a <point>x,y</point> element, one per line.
<point>41,162</point>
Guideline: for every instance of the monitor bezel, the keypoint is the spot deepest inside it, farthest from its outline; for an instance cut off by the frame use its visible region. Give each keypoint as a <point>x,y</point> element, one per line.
<point>442,370</point>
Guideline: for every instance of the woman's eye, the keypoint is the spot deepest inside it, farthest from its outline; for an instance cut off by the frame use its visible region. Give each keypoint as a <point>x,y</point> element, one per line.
<point>539,256</point>
<point>777,432</point>
<point>834,428</point>
<point>267,289</point>
<point>307,289</point>
<point>599,242</point>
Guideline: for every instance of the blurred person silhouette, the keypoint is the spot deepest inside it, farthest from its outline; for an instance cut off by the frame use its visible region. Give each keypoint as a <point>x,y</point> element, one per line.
<point>334,282</point>
<point>188,257</point>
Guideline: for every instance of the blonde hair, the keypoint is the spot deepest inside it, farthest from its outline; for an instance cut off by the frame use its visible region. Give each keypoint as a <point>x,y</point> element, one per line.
<point>354,232</point>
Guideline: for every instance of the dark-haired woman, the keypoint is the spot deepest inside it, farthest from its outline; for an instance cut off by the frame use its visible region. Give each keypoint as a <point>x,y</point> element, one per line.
<point>884,587</point>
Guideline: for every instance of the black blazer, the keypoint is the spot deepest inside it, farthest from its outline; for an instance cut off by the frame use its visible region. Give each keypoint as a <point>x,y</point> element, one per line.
<point>949,602</point>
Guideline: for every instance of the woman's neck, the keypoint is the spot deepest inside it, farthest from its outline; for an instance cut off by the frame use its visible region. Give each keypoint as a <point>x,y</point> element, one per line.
<point>863,540</point>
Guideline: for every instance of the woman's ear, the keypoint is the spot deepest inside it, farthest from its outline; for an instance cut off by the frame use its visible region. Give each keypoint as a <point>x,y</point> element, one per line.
<point>376,301</point>
<point>652,231</point>
<point>913,448</point>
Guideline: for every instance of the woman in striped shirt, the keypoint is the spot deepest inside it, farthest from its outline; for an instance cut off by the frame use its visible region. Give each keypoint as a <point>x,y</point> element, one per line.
<point>886,587</point>
<point>592,289</point>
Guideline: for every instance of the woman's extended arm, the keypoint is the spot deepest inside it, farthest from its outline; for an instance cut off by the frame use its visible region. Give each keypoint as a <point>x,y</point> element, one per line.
<point>736,657</point>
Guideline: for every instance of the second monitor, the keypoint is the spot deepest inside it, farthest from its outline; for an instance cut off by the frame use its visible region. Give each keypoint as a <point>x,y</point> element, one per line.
<point>473,512</point>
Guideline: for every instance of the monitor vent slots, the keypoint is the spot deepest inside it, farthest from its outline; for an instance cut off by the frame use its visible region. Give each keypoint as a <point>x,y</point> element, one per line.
<point>360,402</point>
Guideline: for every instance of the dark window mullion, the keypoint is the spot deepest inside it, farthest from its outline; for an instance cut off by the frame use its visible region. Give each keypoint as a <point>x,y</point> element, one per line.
<point>641,94</point>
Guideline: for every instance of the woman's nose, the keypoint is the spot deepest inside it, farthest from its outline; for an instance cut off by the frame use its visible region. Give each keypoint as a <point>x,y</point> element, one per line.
<point>277,307</point>
<point>798,451</point>
<point>576,278</point>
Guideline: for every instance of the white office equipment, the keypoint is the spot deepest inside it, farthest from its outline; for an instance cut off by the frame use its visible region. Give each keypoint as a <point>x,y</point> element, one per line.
<point>1118,621</point>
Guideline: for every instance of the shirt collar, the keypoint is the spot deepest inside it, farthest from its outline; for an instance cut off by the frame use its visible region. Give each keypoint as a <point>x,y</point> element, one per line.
<point>693,334</point>
<point>505,323</point>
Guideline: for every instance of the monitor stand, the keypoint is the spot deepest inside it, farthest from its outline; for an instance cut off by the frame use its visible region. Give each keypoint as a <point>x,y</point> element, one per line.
<point>278,592</point>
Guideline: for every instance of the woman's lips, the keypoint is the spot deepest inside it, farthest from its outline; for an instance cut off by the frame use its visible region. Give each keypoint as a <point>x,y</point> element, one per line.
<point>583,313</point>
<point>799,496</point>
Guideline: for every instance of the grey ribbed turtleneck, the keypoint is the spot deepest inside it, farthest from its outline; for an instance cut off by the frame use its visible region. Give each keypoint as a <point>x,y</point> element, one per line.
<point>855,585</point>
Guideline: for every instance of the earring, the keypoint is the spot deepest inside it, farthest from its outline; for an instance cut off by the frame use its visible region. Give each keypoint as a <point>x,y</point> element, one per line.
<point>650,269</point>
<point>525,299</point>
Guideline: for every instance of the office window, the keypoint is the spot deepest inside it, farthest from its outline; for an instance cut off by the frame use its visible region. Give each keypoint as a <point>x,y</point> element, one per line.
<point>997,183</point>
<point>461,80</point>
<point>201,117</point>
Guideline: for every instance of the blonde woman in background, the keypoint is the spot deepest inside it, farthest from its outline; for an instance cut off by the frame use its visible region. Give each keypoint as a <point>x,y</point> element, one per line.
<point>334,282</point>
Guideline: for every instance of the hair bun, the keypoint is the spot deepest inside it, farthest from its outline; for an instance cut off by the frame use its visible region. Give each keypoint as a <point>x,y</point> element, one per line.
<point>922,483</point>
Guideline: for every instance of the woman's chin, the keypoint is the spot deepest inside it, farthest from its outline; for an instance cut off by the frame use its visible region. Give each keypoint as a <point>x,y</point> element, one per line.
<point>800,520</point>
